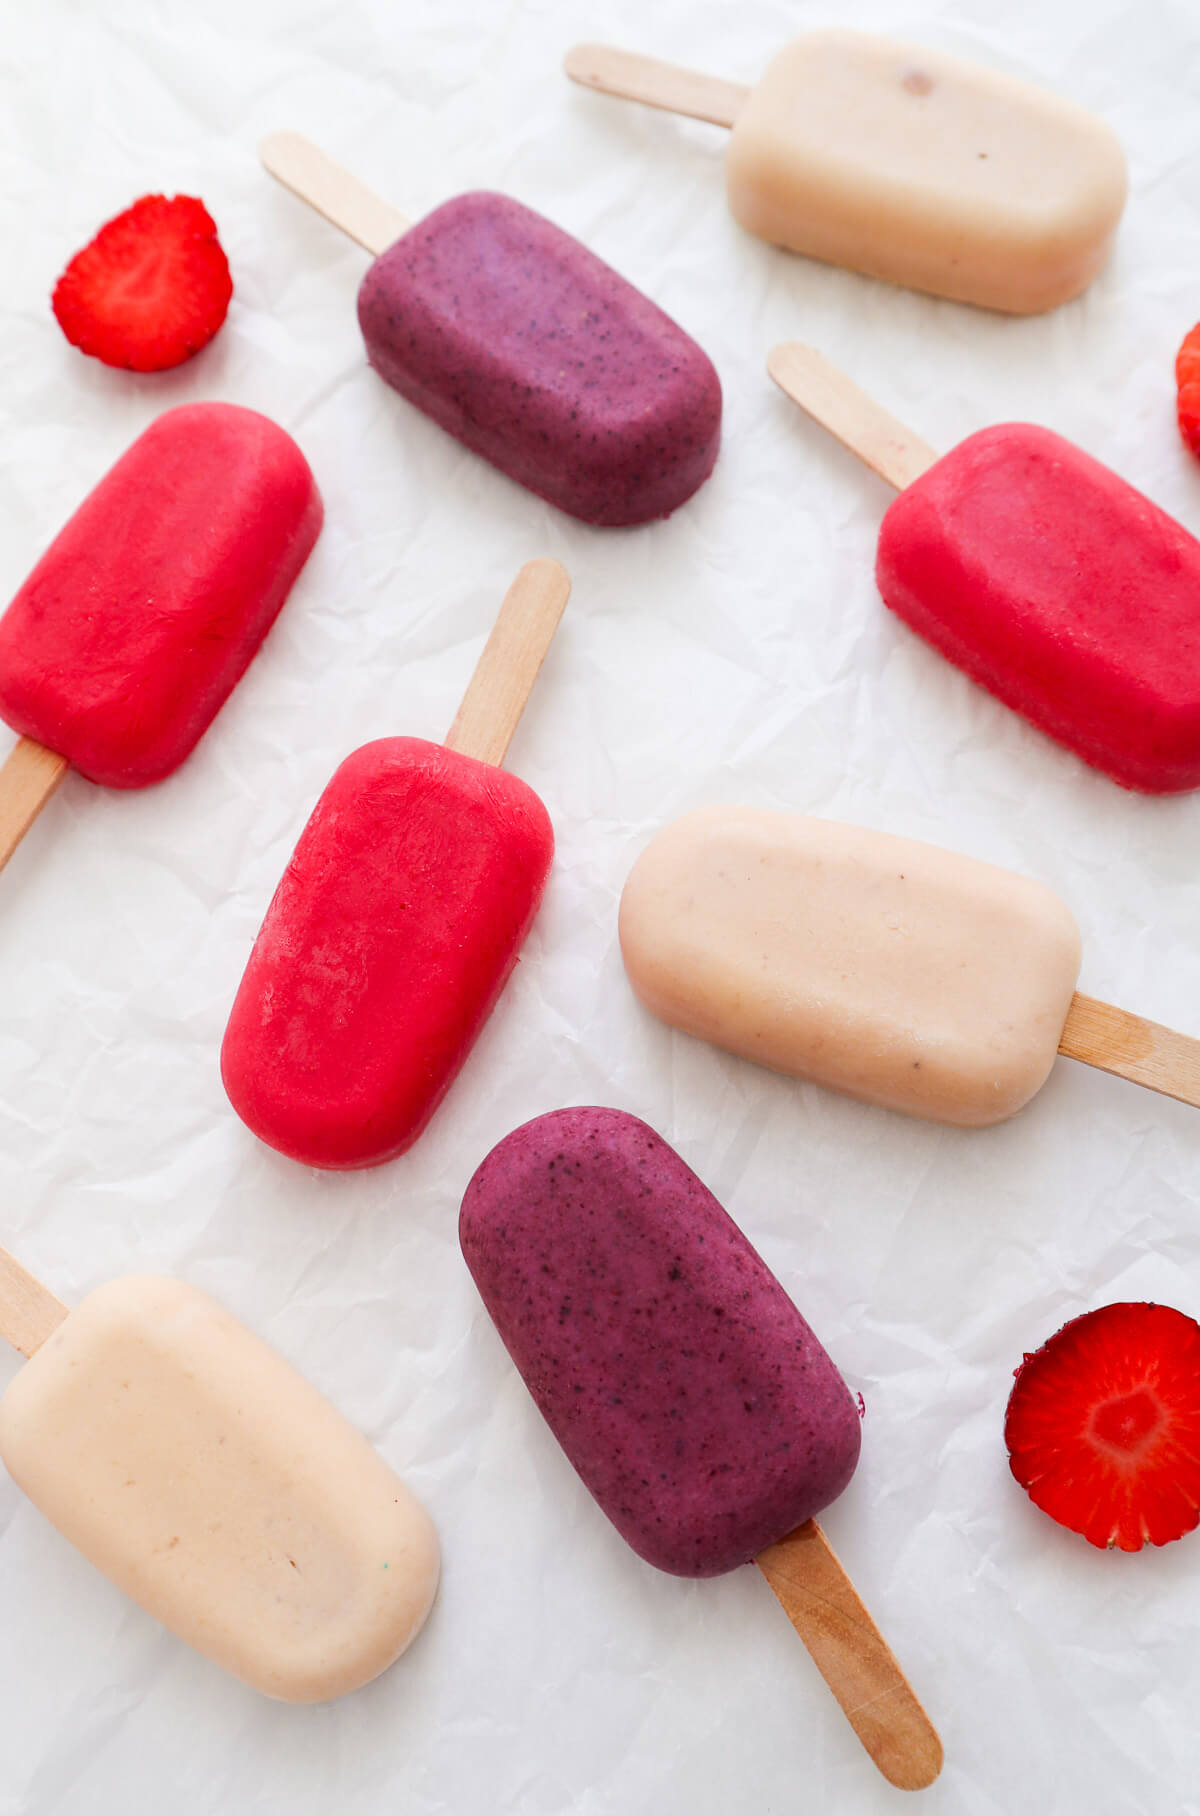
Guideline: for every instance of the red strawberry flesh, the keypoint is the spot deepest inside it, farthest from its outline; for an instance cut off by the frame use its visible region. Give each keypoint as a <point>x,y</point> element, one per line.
<point>150,290</point>
<point>1103,1426</point>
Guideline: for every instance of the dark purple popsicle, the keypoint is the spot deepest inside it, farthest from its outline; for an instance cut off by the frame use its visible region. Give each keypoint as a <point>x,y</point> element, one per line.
<point>537,355</point>
<point>683,1384</point>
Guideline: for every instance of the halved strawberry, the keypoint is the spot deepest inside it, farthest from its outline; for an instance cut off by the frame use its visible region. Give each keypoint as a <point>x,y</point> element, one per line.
<point>1187,378</point>
<point>1103,1425</point>
<point>150,290</point>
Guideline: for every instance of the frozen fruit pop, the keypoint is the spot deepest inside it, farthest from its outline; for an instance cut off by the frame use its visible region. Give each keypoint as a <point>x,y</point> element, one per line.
<point>524,345</point>
<point>213,1484</point>
<point>894,971</point>
<point>142,615</point>
<point>398,920</point>
<point>696,1404</point>
<point>902,163</point>
<point>1040,573</point>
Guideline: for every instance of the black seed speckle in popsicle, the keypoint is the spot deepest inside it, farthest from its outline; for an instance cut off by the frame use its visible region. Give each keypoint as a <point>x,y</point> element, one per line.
<point>595,399</point>
<point>681,1381</point>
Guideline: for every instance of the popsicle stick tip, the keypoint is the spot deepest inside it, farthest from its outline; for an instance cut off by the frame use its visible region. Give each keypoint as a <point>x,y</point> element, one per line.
<point>633,77</point>
<point>276,149</point>
<point>789,360</point>
<point>852,1656</point>
<point>825,393</point>
<point>579,61</point>
<point>331,190</point>
<point>545,571</point>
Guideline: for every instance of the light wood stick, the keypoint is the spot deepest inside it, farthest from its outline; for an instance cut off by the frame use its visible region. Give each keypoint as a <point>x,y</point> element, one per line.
<point>1131,1047</point>
<point>301,167</point>
<point>512,656</point>
<point>857,421</point>
<point>665,85</point>
<point>852,1656</point>
<point>29,777</point>
<point>29,1313</point>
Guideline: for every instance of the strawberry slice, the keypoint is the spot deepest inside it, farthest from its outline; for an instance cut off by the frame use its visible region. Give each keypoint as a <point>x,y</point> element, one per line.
<point>1103,1426</point>
<point>1187,378</point>
<point>150,290</point>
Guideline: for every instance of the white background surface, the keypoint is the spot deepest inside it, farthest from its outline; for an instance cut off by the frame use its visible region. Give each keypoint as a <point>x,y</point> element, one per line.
<point>736,652</point>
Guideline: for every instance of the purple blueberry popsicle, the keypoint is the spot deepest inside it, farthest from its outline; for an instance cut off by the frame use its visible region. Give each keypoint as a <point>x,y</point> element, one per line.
<point>525,346</point>
<point>534,353</point>
<point>683,1384</point>
<point>694,1401</point>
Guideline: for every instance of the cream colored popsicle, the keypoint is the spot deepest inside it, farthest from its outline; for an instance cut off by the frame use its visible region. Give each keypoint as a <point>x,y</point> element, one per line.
<point>899,973</point>
<point>213,1484</point>
<point>904,163</point>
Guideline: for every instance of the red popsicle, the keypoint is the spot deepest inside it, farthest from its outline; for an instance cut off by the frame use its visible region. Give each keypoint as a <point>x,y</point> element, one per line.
<point>398,919</point>
<point>1044,576</point>
<point>142,615</point>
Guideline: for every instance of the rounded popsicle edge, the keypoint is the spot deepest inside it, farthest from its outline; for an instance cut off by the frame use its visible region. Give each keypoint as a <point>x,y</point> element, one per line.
<point>332,190</point>
<point>859,1667</point>
<point>852,417</point>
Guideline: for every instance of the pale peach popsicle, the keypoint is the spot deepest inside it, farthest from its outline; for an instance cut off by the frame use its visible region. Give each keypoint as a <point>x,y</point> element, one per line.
<point>899,973</point>
<point>213,1484</point>
<point>905,163</point>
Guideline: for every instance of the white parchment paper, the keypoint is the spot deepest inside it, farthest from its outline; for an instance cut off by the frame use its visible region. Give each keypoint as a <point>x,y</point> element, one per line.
<point>736,652</point>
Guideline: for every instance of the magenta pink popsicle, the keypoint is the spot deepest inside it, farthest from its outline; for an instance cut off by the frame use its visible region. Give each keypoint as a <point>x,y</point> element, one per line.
<point>1039,572</point>
<point>140,618</point>
<point>399,919</point>
<point>384,949</point>
<point>1069,595</point>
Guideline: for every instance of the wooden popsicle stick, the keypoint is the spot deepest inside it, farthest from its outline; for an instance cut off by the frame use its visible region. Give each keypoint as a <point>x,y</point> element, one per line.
<point>332,190</point>
<point>29,1312</point>
<point>856,420</point>
<point>512,656</point>
<point>29,777</point>
<point>1131,1047</point>
<point>656,84</point>
<point>853,1657</point>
